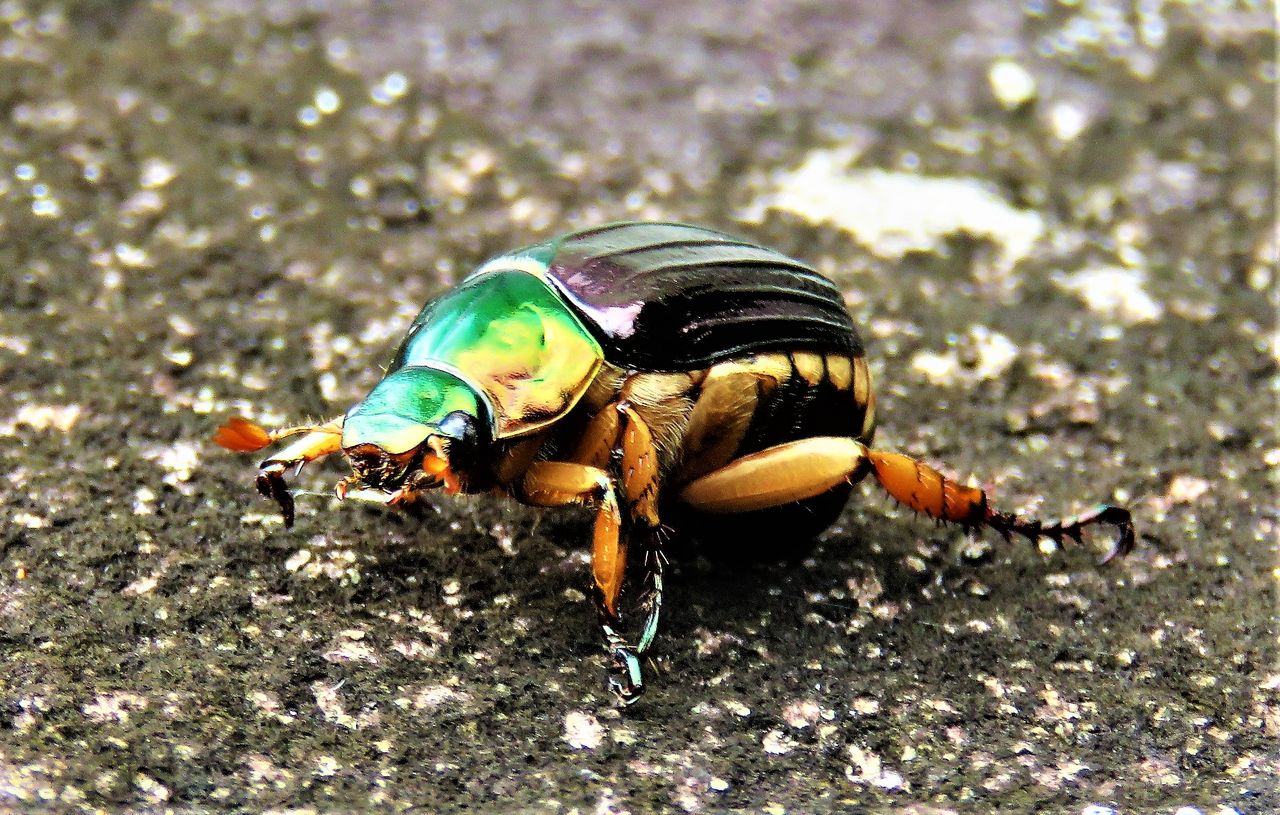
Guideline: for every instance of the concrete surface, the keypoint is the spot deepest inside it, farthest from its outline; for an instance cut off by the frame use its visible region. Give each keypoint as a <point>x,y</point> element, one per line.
<point>1056,222</point>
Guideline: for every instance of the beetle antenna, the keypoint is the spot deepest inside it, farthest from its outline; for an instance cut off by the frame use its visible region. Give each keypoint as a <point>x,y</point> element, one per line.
<point>243,436</point>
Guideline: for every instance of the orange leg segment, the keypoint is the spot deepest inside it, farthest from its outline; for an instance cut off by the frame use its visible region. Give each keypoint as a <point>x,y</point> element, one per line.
<point>559,483</point>
<point>777,475</point>
<point>617,433</point>
<point>615,468</point>
<point>924,489</point>
<point>639,468</point>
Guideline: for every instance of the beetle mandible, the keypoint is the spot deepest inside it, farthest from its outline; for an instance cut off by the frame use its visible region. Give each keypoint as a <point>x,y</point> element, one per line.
<point>645,370</point>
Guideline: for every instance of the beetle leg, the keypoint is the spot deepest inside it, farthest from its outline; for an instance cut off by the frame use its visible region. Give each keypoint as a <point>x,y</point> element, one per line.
<point>926,490</point>
<point>722,415</point>
<point>639,467</point>
<point>778,475</point>
<point>271,484</point>
<point>655,562</point>
<point>618,434</point>
<point>317,441</point>
<point>599,438</point>
<point>616,437</point>
<point>639,470</point>
<point>560,483</point>
<point>808,467</point>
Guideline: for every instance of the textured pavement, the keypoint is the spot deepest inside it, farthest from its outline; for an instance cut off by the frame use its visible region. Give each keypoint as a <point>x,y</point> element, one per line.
<point>1055,222</point>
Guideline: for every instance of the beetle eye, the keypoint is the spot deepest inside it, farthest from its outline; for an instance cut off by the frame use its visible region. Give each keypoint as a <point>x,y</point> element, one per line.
<point>466,435</point>
<point>461,429</point>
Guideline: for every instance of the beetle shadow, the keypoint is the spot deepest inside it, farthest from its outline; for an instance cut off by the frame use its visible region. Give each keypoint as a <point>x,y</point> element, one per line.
<point>753,584</point>
<point>722,584</point>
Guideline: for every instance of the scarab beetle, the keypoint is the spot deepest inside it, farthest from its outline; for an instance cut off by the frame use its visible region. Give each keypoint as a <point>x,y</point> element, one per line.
<point>652,371</point>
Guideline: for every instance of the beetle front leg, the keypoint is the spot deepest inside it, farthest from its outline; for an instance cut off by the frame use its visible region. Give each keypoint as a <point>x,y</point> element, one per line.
<point>558,483</point>
<point>317,441</point>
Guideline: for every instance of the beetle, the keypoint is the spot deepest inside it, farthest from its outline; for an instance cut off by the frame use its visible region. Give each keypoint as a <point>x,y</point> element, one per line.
<point>650,371</point>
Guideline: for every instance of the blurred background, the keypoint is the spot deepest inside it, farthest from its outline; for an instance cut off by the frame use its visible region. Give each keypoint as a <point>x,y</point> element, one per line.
<point>1054,221</point>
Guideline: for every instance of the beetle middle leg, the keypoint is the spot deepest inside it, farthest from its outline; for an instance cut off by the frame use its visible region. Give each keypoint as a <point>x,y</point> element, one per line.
<point>639,471</point>
<point>618,435</point>
<point>560,483</point>
<point>618,441</point>
<point>317,441</point>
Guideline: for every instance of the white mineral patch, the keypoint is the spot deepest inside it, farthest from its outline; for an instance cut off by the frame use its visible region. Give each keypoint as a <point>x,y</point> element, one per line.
<point>895,213</point>
<point>132,257</point>
<point>114,707</point>
<point>332,706</point>
<point>994,354</point>
<point>157,172</point>
<point>1011,83</point>
<point>22,345</point>
<point>1114,292</point>
<point>151,787</point>
<point>582,730</point>
<point>141,586</point>
<point>801,714</point>
<point>297,560</point>
<point>42,417</point>
<point>31,521</point>
<point>940,369</point>
<point>1186,489</point>
<point>777,743</point>
<point>179,462</point>
<point>1068,119</point>
<point>433,696</point>
<point>866,767</point>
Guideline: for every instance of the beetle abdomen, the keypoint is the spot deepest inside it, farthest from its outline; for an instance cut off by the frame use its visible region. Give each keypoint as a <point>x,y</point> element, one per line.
<point>745,406</point>
<point>673,297</point>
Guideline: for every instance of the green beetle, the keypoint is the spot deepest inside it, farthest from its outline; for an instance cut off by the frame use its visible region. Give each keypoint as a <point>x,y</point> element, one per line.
<point>652,371</point>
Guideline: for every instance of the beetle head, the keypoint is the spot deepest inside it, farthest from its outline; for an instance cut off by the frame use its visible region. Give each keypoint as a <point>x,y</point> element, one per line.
<point>418,429</point>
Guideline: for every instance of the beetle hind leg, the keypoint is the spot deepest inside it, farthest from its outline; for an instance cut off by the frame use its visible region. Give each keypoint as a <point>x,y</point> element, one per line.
<point>1060,530</point>
<point>778,475</point>
<point>802,469</point>
<point>924,489</point>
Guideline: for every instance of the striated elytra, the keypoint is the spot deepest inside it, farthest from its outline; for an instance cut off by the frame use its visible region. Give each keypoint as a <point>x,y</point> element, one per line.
<point>650,371</point>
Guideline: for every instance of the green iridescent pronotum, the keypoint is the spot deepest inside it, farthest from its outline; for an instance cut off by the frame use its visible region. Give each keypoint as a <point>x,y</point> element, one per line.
<point>666,375</point>
<point>502,346</point>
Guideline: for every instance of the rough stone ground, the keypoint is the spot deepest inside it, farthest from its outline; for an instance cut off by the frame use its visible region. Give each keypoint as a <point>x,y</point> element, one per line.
<point>1065,270</point>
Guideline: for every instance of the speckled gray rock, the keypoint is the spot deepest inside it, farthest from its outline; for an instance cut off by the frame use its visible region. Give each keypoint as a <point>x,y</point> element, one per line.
<point>1056,223</point>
